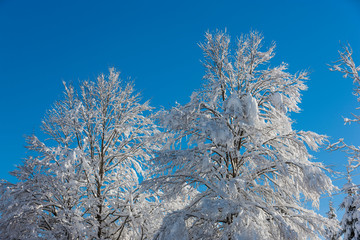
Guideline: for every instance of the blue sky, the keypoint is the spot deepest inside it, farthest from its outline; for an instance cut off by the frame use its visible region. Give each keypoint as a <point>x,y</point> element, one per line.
<point>155,43</point>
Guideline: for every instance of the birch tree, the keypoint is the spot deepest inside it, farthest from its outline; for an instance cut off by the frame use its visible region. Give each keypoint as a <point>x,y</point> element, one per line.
<point>233,152</point>
<point>82,182</point>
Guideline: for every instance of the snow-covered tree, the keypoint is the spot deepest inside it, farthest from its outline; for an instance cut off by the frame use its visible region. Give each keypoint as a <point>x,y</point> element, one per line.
<point>348,68</point>
<point>350,225</point>
<point>82,182</point>
<point>233,152</point>
<point>350,222</point>
<point>332,234</point>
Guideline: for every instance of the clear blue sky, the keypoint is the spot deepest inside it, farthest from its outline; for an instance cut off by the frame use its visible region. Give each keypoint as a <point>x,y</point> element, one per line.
<point>43,43</point>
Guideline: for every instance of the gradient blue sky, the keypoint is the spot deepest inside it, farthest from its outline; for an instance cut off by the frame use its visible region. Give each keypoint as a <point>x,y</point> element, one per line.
<point>43,43</point>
